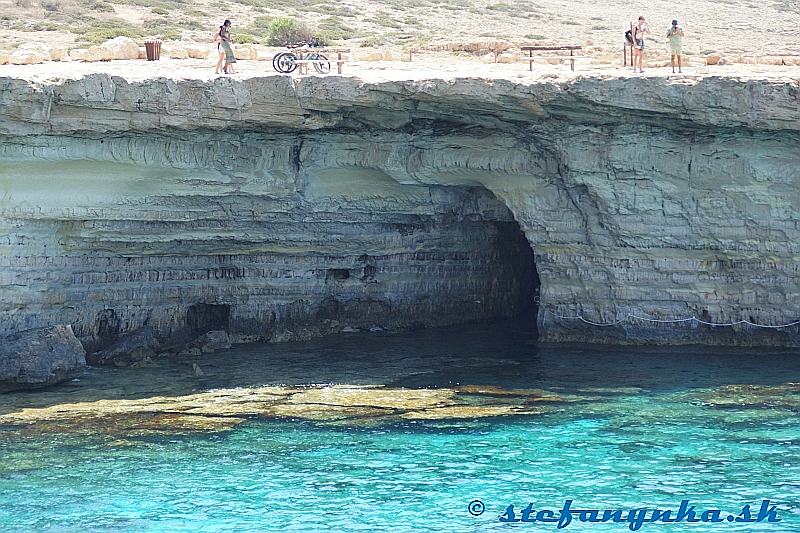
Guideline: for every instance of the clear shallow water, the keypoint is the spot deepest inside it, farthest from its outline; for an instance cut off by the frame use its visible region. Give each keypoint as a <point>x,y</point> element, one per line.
<point>651,431</point>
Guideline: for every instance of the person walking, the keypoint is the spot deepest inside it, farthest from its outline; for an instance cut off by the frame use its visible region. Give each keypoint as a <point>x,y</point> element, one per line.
<point>675,36</point>
<point>639,31</point>
<point>225,46</point>
<point>220,52</point>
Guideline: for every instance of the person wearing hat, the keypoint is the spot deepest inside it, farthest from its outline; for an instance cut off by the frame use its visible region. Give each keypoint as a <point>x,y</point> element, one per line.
<point>675,36</point>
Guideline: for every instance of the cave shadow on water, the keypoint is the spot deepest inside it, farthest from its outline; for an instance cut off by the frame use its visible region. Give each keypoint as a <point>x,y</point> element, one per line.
<point>502,354</point>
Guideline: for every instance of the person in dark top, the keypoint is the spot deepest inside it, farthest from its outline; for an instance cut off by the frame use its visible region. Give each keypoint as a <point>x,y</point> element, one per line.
<point>225,46</point>
<point>675,36</point>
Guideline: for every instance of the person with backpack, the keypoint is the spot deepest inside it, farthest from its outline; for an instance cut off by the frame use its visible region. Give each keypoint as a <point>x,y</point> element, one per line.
<point>675,36</point>
<point>639,32</point>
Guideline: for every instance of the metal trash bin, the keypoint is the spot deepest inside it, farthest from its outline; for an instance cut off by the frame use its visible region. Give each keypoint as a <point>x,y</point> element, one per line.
<point>153,49</point>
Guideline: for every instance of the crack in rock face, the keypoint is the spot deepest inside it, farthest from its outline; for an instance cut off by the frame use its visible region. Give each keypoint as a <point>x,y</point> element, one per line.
<point>276,211</point>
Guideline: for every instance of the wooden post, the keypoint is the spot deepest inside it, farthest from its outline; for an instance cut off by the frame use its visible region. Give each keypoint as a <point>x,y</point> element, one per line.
<point>303,66</point>
<point>339,61</point>
<point>632,45</point>
<point>530,60</point>
<point>571,61</point>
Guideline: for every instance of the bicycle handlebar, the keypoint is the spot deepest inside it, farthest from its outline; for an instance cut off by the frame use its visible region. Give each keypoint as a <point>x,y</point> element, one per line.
<point>311,43</point>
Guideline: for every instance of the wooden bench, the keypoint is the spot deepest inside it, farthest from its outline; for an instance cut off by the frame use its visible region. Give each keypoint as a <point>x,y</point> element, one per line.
<point>571,47</point>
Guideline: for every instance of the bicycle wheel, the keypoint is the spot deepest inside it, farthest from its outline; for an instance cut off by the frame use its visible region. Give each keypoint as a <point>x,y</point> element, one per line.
<point>286,62</point>
<point>324,67</point>
<point>275,61</point>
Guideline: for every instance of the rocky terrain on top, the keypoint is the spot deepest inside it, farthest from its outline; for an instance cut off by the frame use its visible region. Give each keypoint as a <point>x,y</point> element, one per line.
<point>731,32</point>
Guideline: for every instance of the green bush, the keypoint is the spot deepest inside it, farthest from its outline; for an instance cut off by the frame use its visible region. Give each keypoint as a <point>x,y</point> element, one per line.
<point>283,30</point>
<point>263,22</point>
<point>385,20</point>
<point>259,27</point>
<point>333,29</point>
<point>191,24</point>
<point>49,5</point>
<point>167,29</point>
<point>102,7</point>
<point>101,35</point>
<point>245,38</point>
<point>370,41</point>
<point>94,30</point>
<point>170,34</point>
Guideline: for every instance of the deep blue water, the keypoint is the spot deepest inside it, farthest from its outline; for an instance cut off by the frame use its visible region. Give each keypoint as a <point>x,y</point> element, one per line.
<point>650,434</point>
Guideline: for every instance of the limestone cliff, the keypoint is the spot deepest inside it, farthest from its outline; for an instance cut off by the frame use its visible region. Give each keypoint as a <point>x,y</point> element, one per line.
<point>281,208</point>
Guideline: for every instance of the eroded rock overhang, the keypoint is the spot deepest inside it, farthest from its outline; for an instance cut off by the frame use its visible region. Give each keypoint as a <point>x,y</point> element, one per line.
<point>653,197</point>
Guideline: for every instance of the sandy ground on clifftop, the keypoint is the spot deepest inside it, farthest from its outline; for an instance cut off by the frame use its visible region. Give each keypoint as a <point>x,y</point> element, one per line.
<point>424,66</point>
<point>729,27</point>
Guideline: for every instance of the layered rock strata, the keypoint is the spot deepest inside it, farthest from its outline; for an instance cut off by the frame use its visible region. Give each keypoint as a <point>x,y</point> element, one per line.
<point>276,208</point>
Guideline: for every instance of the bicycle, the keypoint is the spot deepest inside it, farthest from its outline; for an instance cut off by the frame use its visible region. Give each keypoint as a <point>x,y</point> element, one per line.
<point>287,62</point>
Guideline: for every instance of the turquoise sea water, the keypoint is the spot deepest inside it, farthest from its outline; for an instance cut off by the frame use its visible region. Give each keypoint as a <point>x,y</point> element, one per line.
<point>655,426</point>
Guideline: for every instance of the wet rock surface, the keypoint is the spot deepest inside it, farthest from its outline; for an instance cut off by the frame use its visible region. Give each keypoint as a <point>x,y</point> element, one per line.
<point>223,409</point>
<point>127,350</point>
<point>211,342</point>
<point>39,358</point>
<point>783,396</point>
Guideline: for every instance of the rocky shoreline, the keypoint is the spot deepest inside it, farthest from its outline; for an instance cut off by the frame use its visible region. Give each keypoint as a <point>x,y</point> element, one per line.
<point>272,208</point>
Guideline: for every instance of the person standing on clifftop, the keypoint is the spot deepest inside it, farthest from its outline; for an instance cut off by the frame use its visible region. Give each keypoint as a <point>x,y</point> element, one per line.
<point>639,32</point>
<point>225,45</point>
<point>675,36</point>
<point>220,52</point>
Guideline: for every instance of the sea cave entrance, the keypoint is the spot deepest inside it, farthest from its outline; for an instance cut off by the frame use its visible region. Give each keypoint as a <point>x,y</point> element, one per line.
<point>516,253</point>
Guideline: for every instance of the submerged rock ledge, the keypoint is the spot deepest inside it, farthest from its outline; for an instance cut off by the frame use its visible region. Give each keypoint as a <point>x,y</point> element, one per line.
<point>224,409</point>
<point>280,208</point>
